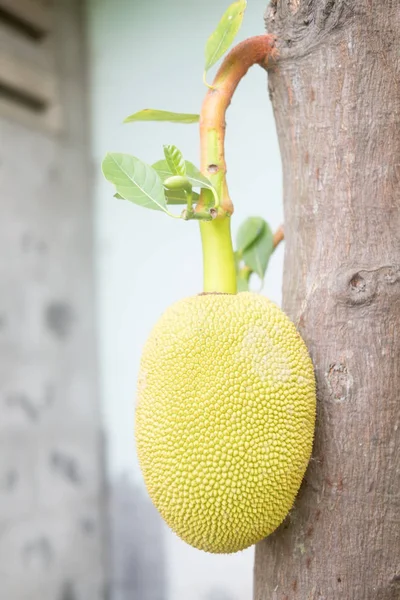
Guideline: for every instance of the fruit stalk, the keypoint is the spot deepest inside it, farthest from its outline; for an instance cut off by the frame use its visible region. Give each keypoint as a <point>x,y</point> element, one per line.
<point>218,256</point>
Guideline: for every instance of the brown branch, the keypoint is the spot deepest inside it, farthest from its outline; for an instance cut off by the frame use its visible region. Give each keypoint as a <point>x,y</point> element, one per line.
<point>254,50</point>
<point>278,236</point>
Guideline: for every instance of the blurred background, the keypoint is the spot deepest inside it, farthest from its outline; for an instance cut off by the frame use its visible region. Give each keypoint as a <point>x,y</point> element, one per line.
<point>83,278</point>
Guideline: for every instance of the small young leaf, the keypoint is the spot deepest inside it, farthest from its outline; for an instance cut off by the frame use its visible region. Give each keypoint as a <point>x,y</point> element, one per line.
<point>257,255</point>
<point>150,114</point>
<point>223,36</point>
<point>134,180</point>
<point>175,160</point>
<point>178,182</point>
<point>179,197</point>
<point>196,178</point>
<point>248,232</point>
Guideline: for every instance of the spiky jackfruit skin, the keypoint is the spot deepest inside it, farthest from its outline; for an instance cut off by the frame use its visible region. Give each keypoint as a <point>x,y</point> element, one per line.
<point>225,418</point>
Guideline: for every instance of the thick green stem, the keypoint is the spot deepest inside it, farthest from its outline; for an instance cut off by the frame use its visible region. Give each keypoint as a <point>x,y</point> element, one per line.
<point>218,257</point>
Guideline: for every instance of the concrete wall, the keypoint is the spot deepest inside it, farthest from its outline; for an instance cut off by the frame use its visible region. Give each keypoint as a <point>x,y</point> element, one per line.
<point>51,518</point>
<point>150,54</point>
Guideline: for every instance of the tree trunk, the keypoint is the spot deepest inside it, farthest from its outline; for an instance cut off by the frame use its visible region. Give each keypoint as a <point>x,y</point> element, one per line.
<point>336,97</point>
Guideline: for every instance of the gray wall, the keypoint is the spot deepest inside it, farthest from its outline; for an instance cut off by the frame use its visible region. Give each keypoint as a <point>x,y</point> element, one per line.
<point>51,528</point>
<point>150,54</point>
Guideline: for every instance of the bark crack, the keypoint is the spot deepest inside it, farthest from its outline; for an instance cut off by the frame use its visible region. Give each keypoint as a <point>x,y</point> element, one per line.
<point>300,25</point>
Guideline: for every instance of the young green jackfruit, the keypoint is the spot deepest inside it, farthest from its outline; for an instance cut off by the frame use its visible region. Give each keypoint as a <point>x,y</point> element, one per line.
<point>225,418</point>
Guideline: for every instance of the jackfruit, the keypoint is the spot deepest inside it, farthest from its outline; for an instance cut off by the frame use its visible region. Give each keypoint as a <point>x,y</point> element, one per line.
<point>225,418</point>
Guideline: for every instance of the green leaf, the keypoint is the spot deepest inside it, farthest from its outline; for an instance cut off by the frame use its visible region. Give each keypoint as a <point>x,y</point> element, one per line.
<point>196,178</point>
<point>134,180</point>
<point>248,232</point>
<point>151,114</point>
<point>220,40</point>
<point>179,197</point>
<point>175,160</point>
<point>242,284</point>
<point>242,274</point>
<point>163,170</point>
<point>257,255</point>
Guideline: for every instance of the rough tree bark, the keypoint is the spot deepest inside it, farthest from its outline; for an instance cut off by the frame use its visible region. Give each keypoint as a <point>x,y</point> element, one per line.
<point>336,97</point>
